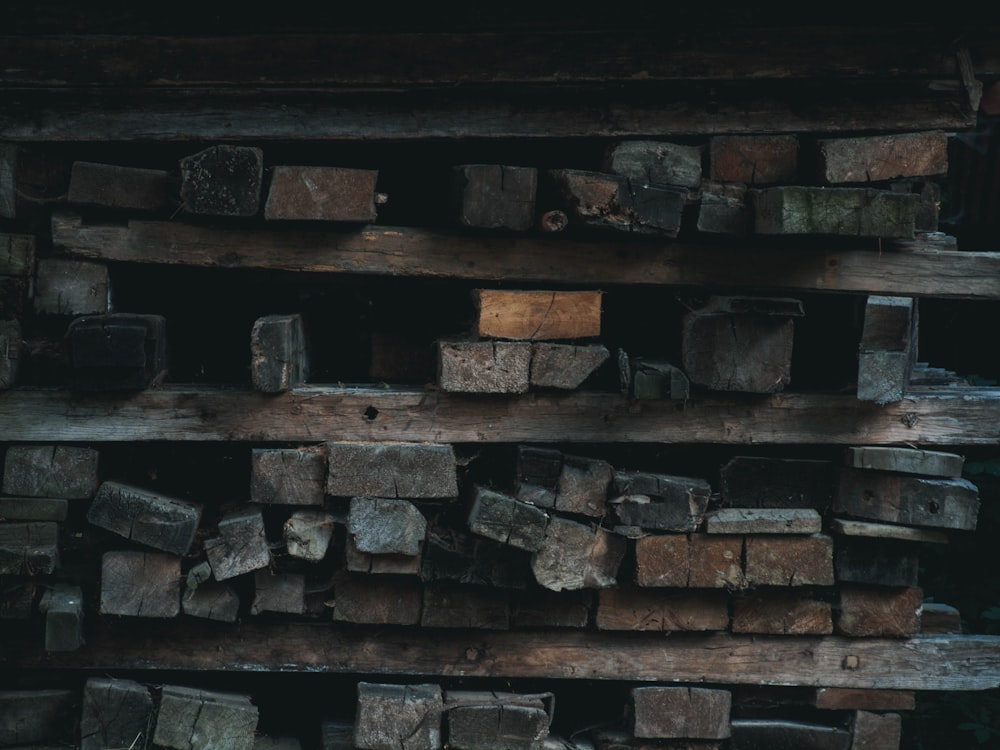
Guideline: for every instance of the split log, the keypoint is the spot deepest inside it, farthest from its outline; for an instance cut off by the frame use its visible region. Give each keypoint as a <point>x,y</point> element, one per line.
<point>564,366</point>
<point>278,357</point>
<point>376,600</point>
<point>486,720</point>
<point>767,734</point>
<point>288,476</point>
<point>241,546</point>
<point>876,731</point>
<point>10,351</point>
<point>493,196</point>
<point>695,560</point>
<point>189,717</point>
<point>897,498</point>
<point>680,712</point>
<point>644,379</point>
<point>17,599</point>
<point>30,716</point>
<point>878,562</point>
<point>583,486</point>
<point>222,181</point>
<point>279,592</point>
<point>116,352</point>
<point>849,212</point>
<point>840,699</point>
<point>451,555</point>
<point>937,618</point>
<point>725,209</point>
<point>70,287</point>
<point>321,194</point>
<point>447,605</point>
<point>29,549</point>
<point>866,529</point>
<point>758,482</point>
<point>484,366</point>
<point>879,158</point>
<point>364,562</point>
<point>386,526</point>
<point>877,611</point>
<point>539,608</point>
<point>660,501</point>
<point>62,606</point>
<point>162,522</point>
<point>116,713</point>
<point>764,521</point>
<point>754,159</point>
<point>906,461</point>
<point>308,533</point>
<point>507,520</point>
<point>388,470</point>
<point>54,471</point>
<point>211,600</point>
<point>641,609</point>
<point>398,717</point>
<point>655,163</point>
<point>781,613</point>
<point>140,584</point>
<point>789,560</point>
<point>575,556</point>
<point>888,348</point>
<point>126,188</point>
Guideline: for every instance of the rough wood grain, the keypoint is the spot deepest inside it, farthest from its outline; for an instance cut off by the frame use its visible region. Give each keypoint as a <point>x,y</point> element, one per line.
<point>789,560</point>
<point>241,546</point>
<point>484,366</point>
<point>536,608</point>
<point>876,731</point>
<point>645,379</point>
<point>507,520</point>
<point>377,600</point>
<point>695,560</point>
<point>781,613</point>
<point>754,159</point>
<point>307,534</point>
<point>279,359</point>
<point>906,460</point>
<point>321,194</point>
<point>386,526</point>
<point>850,212</point>
<point>888,348</point>
<point>897,498</point>
<point>222,181</point>
<point>867,611</point>
<point>449,605</point>
<point>577,556</point>
<point>494,196</point>
<point>115,712</point>
<point>64,286</point>
<point>288,476</point>
<point>725,209</point>
<point>189,718</point>
<point>140,584</point>
<point>642,609</point>
<point>486,720</point>
<point>583,486</point>
<point>851,528</point>
<point>537,315</point>
<point>364,562</point>
<point>878,158</point>
<point>659,501</point>
<point>393,469</point>
<point>55,471</point>
<point>211,600</point>
<point>564,366</point>
<point>680,712</point>
<point>764,521</point>
<point>937,618</point>
<point>398,717</point>
<point>29,549</point>
<point>278,592</point>
<point>451,555</point>
<point>159,521</point>
<point>867,700</point>
<point>655,163</point>
<point>125,188</point>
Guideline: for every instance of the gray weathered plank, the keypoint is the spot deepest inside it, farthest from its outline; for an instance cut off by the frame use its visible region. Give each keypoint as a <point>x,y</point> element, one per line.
<point>115,713</point>
<point>147,517</point>
<point>189,718</point>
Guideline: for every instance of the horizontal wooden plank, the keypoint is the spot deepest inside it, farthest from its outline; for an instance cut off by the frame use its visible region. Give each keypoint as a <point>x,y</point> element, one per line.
<point>315,413</point>
<point>921,268</point>
<point>925,663</point>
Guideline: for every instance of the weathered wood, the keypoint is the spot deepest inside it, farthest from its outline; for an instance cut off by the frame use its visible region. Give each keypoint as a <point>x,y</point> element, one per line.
<point>279,359</point>
<point>537,608</point>
<point>118,351</point>
<point>211,600</point>
<point>641,609</point>
<point>29,549</point>
<point>115,713</point>
<point>278,592</point>
<point>897,498</point>
<point>850,212</point>
<point>484,366</point>
<point>241,546</point>
<point>140,584</point>
<point>64,286</point>
<point>10,352</point>
<point>452,555</point>
<point>222,181</point>
<point>448,605</point>
<point>937,619</point>
<point>487,720</point>
<point>564,366</point>
<point>56,471</point>
<point>307,534</point>
<point>789,560</point>
<point>336,735</point>
<point>288,476</point>
<point>906,460</point>
<point>17,599</point>
<point>159,521</point>
<point>62,606</point>
<point>507,520</point>
<point>877,611</point>
<point>28,716</point>
<point>695,560</point>
<point>840,699</point>
<point>876,731</point>
<point>391,469</point>
<point>398,717</point>
<point>189,718</point>
<point>724,209</point>
<point>377,600</point>
<point>537,315</point>
<point>576,556</point>
<point>879,562</point>
<point>887,349</point>
<point>377,564</point>
<point>754,159</point>
<point>17,253</point>
<point>768,734</point>
<point>537,466</point>
<point>493,196</point>
<point>659,501</point>
<point>878,158</point>
<point>321,194</point>
<point>112,186</point>
<point>781,613</point>
<point>655,163</point>
<point>736,352</point>
<point>680,712</point>
<point>764,521</point>
<point>583,486</point>
<point>654,380</point>
<point>386,526</point>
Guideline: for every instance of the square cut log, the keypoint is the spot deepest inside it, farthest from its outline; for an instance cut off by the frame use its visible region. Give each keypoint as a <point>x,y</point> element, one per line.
<point>659,501</point>
<point>377,600</point>
<point>54,471</point>
<point>126,188</point>
<point>62,606</point>
<point>192,719</point>
<point>449,605</point>
<point>538,608</point>
<point>789,560</point>
<point>642,609</point>
<point>494,196</point>
<point>583,486</point>
<point>140,584</point>
<point>484,366</point>
<point>486,720</point>
<point>680,712</point>
<point>288,476</point>
<point>308,534</point>
<point>906,461</point>
<point>564,366</point>
<point>321,194</point>
<point>760,482</point>
<point>754,159</point>
<point>70,287</point>
<point>725,209</point>
<point>847,212</point>
<point>879,562</point>
<point>879,158</point>
<point>211,600</point>
<point>35,716</point>
<point>777,612</point>
<point>398,717</point>
<point>378,564</point>
<point>241,546</point>
<point>386,526</point>
<point>576,556</point>
<point>657,163</point>
<point>901,499</point>
<point>115,713</point>
<point>165,523</point>
<point>764,521</point>
<point>116,352</point>
<point>695,560</point>
<point>523,315</point>
<point>887,350</point>
<point>388,470</point>
<point>878,611</point>
<point>876,731</point>
<point>222,181</point>
<point>10,351</point>
<point>770,734</point>
<point>279,592</point>
<point>29,549</point>
<point>841,699</point>
<point>278,357</point>
<point>503,518</point>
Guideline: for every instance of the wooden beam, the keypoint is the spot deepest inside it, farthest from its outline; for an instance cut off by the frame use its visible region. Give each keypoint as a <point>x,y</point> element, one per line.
<point>916,268</point>
<point>968,416</point>
<point>924,663</point>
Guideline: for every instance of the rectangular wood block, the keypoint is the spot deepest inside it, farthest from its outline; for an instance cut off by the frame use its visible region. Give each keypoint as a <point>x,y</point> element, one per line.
<point>448,605</point>
<point>680,712</point>
<point>10,352</point>
<point>646,379</point>
<point>30,716</point>
<point>451,555</point>
<point>789,560</point>
<point>279,360</point>
<point>116,352</point>
<point>841,699</point>
<point>781,613</point>
<point>211,600</point>
<point>140,584</point>
<point>761,482</point>
<point>486,720</point>
<point>877,158</point>
<point>222,181</point>
<point>398,717</point>
<point>876,731</point>
<point>288,476</point>
<point>576,556</point>
<point>754,159</point>
<point>494,196</point>
<point>190,717</point>
<point>484,366</point>
<point>769,734</point>
<point>564,366</point>
<point>507,520</point>
<point>165,523</point>
<point>642,609</point>
<point>906,461</point>
<point>725,209</point>
<point>897,498</point>
<point>29,549</point>
<point>307,534</point>
<point>33,508</point>
<point>879,611</point>
<point>380,564</point>
<point>847,212</point>
<point>764,521</point>
<point>241,546</point>
<point>386,526</point>
<point>887,349</point>
<point>695,560</point>
<point>111,186</point>
<point>656,163</point>
<point>70,287</point>
<point>889,324</point>
<point>404,470</point>
<point>539,466</point>
<point>279,592</point>
<point>377,600</point>
<point>537,608</point>
<point>583,486</point>
<point>659,501</point>
<point>881,562</point>
<point>54,471</point>
<point>322,194</point>
<point>937,618</point>
<point>62,605</point>
<point>115,712</point>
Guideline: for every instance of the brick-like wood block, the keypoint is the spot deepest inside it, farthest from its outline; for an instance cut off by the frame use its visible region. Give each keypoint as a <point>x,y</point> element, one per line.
<point>906,461</point>
<point>111,186</point>
<point>754,159</point>
<point>887,348</point>
<point>116,352</point>
<point>484,366</point>
<point>725,209</point>
<point>494,196</point>
<point>538,608</point>
<point>876,731</point>
<point>849,212</point>
<point>897,498</point>
<point>696,560</point>
<point>322,194</point>
<point>583,486</point>
<point>288,476</point>
<point>539,466</point>
<point>781,613</point>
<point>564,366</point>
<point>530,315</point>
<point>29,549</point>
<point>878,158</point>
<point>190,718</point>
<point>642,609</point>
<point>659,501</point>
<point>279,592</point>
<point>165,523</point>
<point>449,605</point>
<point>386,526</point>
<point>62,605</point>
<point>398,717</point>
<point>55,471</point>
<point>10,351</point>
<point>846,699</point>
<point>506,519</point>
<point>789,560</point>
<point>70,287</point>
<point>211,600</point>
<point>879,611</point>
<point>761,482</point>
<point>576,556</point>
<point>649,379</point>
<point>486,720</point>
<point>222,181</point>
<point>115,712</point>
<point>279,360</point>
<point>764,521</point>
<point>34,716</point>
<point>656,163</point>
<point>140,584</point>
<point>680,712</point>
<point>241,546</point>
<point>404,470</point>
<point>307,534</point>
<point>377,600</point>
